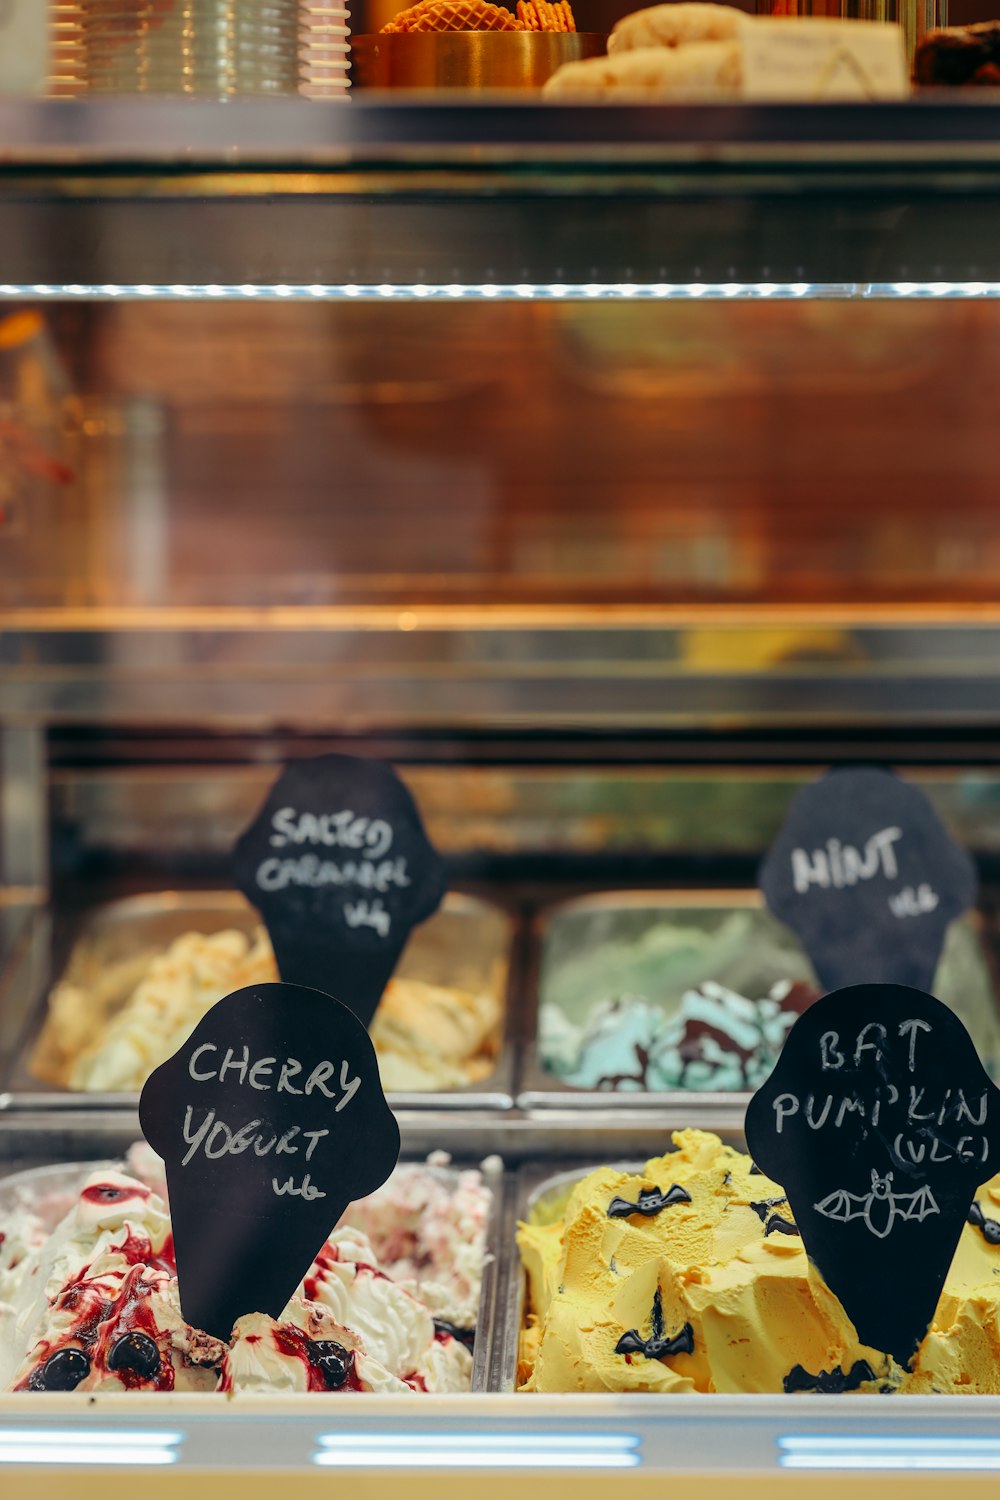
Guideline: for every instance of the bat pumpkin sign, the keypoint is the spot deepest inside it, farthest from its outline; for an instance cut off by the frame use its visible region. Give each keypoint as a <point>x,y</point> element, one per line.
<point>879,1122</point>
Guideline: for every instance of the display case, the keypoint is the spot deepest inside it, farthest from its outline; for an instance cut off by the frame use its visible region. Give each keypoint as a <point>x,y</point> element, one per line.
<point>611,472</point>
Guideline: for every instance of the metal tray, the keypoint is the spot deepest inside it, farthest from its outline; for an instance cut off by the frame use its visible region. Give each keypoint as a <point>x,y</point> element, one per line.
<point>467,943</point>
<point>536,1189</point>
<point>52,1141</point>
<point>541,1090</point>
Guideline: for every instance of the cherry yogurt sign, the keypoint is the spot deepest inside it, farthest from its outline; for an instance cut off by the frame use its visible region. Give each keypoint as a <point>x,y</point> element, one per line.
<point>270,1119</point>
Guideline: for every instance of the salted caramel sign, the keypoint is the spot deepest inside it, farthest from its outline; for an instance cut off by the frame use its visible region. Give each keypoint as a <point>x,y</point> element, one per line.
<point>341,870</point>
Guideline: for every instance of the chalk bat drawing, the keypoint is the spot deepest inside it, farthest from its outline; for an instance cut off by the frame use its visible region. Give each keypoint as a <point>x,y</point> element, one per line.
<point>881,1207</point>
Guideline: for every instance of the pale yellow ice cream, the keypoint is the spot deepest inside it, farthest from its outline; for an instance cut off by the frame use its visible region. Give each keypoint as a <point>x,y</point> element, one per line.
<point>717,1294</point>
<point>426,1036</point>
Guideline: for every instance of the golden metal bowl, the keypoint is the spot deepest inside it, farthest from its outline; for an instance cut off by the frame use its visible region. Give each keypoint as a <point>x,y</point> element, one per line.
<point>467,59</point>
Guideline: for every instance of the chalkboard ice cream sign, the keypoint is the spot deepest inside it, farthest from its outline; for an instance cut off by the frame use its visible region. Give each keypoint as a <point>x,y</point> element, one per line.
<point>867,876</point>
<point>271,1120</point>
<point>340,868</point>
<point>879,1122</point>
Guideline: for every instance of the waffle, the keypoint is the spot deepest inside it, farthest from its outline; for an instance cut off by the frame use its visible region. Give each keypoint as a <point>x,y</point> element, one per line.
<point>540,15</point>
<point>453,15</point>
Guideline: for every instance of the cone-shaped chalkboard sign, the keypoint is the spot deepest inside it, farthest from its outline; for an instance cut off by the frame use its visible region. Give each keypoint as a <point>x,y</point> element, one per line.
<point>271,1120</point>
<point>339,866</point>
<point>879,1122</point>
<point>866,874</point>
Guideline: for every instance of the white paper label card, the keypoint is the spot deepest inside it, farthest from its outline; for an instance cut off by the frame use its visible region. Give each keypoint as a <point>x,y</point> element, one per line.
<point>796,58</point>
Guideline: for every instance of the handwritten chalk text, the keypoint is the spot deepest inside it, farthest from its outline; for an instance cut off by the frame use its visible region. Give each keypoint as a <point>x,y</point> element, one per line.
<point>838,865</point>
<point>311,871</point>
<point>203,1067</point>
<point>368,914</point>
<point>339,830</point>
<point>914,903</point>
<point>871,1045</point>
<point>214,1138</point>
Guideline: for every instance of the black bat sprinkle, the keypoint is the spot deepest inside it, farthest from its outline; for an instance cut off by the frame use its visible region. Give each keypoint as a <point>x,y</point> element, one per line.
<point>990,1228</point>
<point>773,1223</point>
<point>762,1207</point>
<point>651,1202</point>
<point>828,1382</point>
<point>657,1346</point>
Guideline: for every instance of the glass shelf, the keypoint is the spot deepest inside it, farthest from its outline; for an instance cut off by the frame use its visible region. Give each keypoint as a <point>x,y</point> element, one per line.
<point>424,198</point>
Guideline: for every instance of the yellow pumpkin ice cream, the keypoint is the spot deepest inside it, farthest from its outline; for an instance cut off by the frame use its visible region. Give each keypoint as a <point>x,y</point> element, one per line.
<point>691,1276</point>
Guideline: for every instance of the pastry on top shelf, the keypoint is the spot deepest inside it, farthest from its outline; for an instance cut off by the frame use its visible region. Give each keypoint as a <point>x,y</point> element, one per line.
<point>702,70</point>
<point>683,50</point>
<point>480,15</point>
<point>695,51</point>
<point>677,25</point>
<point>959,57</point>
<point>452,15</point>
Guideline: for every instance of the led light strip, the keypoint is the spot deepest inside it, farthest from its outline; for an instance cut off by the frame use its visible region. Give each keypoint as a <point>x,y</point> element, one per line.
<point>911,1452</point>
<point>76,1454</point>
<point>478,1450</point>
<point>934,289</point>
<point>420,291</point>
<point>576,1442</point>
<point>62,1446</point>
<point>619,291</point>
<point>483,1458</point>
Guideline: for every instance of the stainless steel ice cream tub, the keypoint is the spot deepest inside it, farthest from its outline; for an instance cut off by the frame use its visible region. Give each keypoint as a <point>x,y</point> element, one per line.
<point>63,998</point>
<point>670,998</point>
<point>538,1196</point>
<point>51,1153</point>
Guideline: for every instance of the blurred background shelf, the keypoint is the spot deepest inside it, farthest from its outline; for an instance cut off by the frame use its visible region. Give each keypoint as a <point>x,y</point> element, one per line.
<point>294,198</point>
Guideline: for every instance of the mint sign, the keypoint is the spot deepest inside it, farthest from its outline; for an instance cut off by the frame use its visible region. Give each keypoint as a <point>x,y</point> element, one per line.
<point>879,1122</point>
<point>867,876</point>
<point>339,866</point>
<point>271,1120</point>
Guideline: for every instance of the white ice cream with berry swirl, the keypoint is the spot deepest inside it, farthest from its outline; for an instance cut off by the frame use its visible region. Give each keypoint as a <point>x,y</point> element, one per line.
<point>112,1213</point>
<point>430,1235</point>
<point>21,1237</point>
<point>307,1350</point>
<point>119,1325</point>
<point>96,1305</point>
<point>111,1210</point>
<point>346,1279</point>
<point>23,1234</point>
